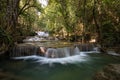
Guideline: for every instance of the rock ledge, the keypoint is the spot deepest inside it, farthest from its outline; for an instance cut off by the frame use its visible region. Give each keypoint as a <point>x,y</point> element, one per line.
<point>109,72</point>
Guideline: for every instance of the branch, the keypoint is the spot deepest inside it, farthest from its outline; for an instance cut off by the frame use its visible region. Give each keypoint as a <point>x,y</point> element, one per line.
<point>28,7</point>
<point>24,7</point>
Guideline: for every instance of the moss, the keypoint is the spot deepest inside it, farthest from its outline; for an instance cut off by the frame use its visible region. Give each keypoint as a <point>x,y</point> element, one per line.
<point>109,72</point>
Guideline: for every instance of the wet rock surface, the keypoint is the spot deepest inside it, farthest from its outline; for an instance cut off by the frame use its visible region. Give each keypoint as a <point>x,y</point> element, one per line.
<point>109,72</point>
<point>4,75</point>
<point>7,76</point>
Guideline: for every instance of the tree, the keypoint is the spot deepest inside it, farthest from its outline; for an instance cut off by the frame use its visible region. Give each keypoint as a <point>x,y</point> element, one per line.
<point>10,19</point>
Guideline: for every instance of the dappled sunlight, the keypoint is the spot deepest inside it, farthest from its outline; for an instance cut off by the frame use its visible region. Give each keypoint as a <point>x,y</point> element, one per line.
<point>44,2</point>
<point>92,41</point>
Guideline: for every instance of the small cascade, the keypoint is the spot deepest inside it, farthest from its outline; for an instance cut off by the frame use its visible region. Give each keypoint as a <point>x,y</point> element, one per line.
<point>67,51</point>
<point>76,50</point>
<point>51,53</point>
<point>24,50</point>
<point>87,47</point>
<point>57,52</point>
<point>62,52</point>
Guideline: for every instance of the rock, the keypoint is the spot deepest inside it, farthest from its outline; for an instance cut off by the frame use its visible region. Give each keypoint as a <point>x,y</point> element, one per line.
<point>113,53</point>
<point>10,76</point>
<point>117,50</point>
<point>109,72</point>
<point>5,76</point>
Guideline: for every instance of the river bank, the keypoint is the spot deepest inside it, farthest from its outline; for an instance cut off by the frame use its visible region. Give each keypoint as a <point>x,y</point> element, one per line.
<point>109,72</point>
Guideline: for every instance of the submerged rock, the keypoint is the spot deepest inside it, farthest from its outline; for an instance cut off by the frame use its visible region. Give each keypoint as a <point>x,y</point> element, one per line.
<point>10,76</point>
<point>110,72</point>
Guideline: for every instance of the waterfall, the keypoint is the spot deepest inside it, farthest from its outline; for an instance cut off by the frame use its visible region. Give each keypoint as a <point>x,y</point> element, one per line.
<point>51,53</point>
<point>45,54</point>
<point>24,50</point>
<point>62,52</point>
<point>76,51</point>
<point>57,52</point>
<point>87,47</point>
<point>67,51</point>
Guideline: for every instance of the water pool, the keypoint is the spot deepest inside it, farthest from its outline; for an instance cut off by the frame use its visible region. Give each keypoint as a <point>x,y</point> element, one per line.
<point>80,67</point>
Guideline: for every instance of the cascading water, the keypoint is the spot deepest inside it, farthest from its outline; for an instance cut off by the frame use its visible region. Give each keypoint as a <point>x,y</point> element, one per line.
<point>61,52</point>
<point>87,47</point>
<point>63,55</point>
<point>51,52</point>
<point>24,50</point>
<point>76,51</point>
<point>41,59</point>
<point>80,66</point>
<point>67,51</point>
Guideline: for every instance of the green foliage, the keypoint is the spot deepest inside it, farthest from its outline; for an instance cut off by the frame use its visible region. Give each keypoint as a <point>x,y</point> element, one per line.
<point>69,18</point>
<point>76,17</point>
<point>4,37</point>
<point>109,34</point>
<point>5,40</point>
<point>17,18</point>
<point>28,16</point>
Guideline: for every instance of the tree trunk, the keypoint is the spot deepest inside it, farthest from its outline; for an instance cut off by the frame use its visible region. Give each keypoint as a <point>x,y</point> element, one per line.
<point>9,10</point>
<point>98,31</point>
<point>84,22</point>
<point>12,15</point>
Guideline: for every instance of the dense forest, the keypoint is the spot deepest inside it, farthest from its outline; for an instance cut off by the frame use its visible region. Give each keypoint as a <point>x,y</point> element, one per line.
<point>73,20</point>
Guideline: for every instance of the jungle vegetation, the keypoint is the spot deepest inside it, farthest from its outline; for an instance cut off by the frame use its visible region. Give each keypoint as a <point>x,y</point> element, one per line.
<point>72,20</point>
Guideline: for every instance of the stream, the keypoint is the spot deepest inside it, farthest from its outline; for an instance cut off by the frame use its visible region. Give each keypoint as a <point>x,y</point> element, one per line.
<point>60,61</point>
<point>78,67</point>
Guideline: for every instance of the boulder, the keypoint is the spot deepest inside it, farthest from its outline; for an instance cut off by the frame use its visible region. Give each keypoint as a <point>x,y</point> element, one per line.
<point>109,72</point>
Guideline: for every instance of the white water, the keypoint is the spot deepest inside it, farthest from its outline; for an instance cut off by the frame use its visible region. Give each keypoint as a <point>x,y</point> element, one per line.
<point>51,52</point>
<point>113,53</point>
<point>44,60</point>
<point>81,57</point>
<point>76,51</point>
<point>35,38</point>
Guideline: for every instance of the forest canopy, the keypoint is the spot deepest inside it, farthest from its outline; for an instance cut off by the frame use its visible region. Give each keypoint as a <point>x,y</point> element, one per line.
<point>71,20</point>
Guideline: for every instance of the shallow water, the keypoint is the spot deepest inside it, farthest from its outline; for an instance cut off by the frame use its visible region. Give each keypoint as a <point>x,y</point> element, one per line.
<point>79,67</point>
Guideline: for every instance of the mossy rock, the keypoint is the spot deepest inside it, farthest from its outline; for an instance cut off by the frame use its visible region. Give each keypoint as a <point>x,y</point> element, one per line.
<point>109,72</point>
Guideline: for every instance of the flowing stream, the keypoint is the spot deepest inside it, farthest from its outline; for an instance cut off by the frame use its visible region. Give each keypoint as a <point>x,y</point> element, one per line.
<point>61,63</point>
